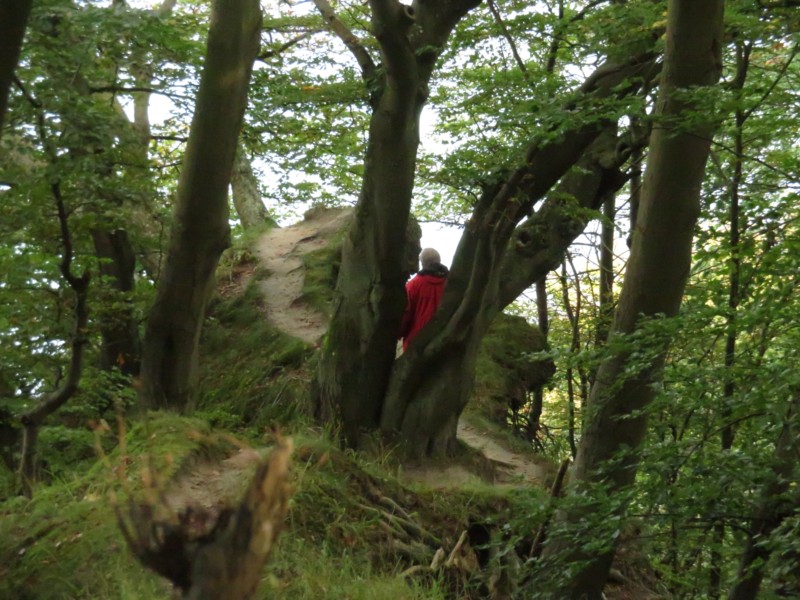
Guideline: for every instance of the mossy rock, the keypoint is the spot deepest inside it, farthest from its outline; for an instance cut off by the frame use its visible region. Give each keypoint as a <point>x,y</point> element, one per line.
<point>507,368</point>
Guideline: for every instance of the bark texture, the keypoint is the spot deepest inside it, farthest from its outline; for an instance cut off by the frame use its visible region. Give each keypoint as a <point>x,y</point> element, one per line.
<point>653,285</point>
<point>359,349</point>
<point>13,21</point>
<point>200,230</point>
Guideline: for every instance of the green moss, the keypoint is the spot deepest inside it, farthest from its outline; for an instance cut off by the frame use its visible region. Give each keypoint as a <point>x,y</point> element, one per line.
<point>321,269</point>
<point>251,374</point>
<point>505,369</point>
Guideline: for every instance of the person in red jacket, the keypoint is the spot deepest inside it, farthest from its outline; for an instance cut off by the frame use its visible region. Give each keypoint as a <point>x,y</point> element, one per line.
<point>424,293</point>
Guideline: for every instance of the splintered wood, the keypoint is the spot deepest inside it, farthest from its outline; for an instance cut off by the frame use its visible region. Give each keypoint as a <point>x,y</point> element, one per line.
<point>214,553</point>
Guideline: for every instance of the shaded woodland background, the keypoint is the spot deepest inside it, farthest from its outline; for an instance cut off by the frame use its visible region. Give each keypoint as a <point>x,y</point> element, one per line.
<point>625,174</point>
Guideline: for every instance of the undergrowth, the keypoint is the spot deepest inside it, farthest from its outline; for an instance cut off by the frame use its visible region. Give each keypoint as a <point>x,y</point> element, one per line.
<point>251,374</point>
<point>65,543</point>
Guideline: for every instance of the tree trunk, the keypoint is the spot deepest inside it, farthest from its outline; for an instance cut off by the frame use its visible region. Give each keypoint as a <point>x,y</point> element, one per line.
<point>200,230</point>
<point>780,500</point>
<point>120,332</point>
<point>606,309</point>
<point>653,288</point>
<point>356,364</point>
<point>494,264</point>
<point>13,20</point>
<point>32,419</point>
<point>217,553</point>
<point>734,297</point>
<point>244,191</point>
<point>359,349</point>
<point>533,421</point>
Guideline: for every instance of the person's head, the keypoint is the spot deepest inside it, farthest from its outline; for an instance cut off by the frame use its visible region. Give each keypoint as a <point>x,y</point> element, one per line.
<point>429,258</point>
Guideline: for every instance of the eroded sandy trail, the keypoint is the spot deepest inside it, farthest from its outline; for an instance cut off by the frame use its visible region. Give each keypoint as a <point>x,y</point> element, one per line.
<point>281,251</point>
<point>514,465</point>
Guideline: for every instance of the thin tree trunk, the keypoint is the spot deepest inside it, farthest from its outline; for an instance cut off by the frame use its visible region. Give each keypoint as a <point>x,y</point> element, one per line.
<point>533,423</point>
<point>121,347</point>
<point>606,308</point>
<point>13,21</point>
<point>200,230</point>
<point>35,417</point>
<point>245,193</point>
<point>575,342</point>
<point>653,287</point>
<point>734,276</point>
<point>780,500</point>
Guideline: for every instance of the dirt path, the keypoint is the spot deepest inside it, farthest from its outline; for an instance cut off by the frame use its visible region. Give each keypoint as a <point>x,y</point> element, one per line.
<point>281,252</point>
<point>513,465</point>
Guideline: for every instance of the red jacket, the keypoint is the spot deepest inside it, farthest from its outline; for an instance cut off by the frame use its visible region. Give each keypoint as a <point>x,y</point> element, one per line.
<point>424,293</point>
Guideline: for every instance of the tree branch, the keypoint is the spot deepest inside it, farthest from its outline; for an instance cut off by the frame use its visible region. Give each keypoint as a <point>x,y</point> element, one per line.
<point>348,37</point>
<point>504,30</point>
<point>119,89</point>
<point>50,403</point>
<point>284,47</point>
<point>391,23</point>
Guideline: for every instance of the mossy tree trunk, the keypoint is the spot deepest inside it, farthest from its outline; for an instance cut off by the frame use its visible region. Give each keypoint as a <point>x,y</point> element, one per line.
<point>653,287</point>
<point>200,230</point>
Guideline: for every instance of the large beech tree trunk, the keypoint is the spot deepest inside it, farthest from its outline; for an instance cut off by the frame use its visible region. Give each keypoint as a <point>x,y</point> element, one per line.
<point>200,230</point>
<point>359,349</point>
<point>653,287</point>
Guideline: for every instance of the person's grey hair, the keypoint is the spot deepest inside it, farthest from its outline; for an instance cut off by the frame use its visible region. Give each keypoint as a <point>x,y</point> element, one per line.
<point>429,257</point>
